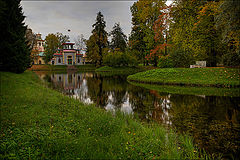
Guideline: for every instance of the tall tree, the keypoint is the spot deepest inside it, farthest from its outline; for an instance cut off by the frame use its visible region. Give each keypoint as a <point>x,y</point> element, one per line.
<point>62,39</point>
<point>147,13</point>
<point>206,35</point>
<point>51,45</point>
<point>80,42</point>
<point>228,23</point>
<point>31,38</point>
<point>161,28</point>
<point>100,35</point>
<point>93,49</point>
<point>14,50</point>
<point>119,39</point>
<point>136,43</point>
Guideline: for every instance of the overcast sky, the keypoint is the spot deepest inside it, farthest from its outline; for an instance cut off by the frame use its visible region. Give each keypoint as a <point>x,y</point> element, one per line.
<point>58,16</point>
<point>50,16</point>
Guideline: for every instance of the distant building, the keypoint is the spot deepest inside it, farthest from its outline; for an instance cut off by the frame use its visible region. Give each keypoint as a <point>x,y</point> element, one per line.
<point>38,50</point>
<point>68,55</point>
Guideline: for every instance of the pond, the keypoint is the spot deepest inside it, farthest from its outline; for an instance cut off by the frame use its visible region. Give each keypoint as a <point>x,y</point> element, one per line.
<point>213,121</point>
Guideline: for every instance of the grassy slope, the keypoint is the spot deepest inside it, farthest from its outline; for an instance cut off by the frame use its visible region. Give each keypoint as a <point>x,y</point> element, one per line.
<point>217,77</point>
<point>37,122</point>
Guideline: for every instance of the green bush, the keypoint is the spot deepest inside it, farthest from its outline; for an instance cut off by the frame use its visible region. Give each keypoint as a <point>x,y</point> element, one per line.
<point>165,62</point>
<point>179,58</point>
<point>231,59</point>
<point>118,58</point>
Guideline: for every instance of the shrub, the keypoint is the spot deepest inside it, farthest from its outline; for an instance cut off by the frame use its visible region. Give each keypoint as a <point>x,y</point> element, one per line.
<point>165,62</point>
<point>118,58</point>
<point>179,58</point>
<point>231,59</point>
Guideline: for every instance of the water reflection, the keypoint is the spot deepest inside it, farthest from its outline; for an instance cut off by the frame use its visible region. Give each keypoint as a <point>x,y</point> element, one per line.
<point>212,121</point>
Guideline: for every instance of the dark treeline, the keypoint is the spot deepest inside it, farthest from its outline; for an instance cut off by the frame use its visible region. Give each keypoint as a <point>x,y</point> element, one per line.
<point>14,48</point>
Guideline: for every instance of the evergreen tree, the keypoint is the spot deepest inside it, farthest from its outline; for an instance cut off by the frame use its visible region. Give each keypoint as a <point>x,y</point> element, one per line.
<point>101,35</point>
<point>15,52</point>
<point>136,43</point>
<point>118,38</point>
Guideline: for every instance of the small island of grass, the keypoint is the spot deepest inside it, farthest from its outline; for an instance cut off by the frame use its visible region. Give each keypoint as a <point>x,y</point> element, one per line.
<point>214,77</point>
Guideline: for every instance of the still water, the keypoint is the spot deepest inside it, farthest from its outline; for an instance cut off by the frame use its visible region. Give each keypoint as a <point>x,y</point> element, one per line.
<point>213,121</point>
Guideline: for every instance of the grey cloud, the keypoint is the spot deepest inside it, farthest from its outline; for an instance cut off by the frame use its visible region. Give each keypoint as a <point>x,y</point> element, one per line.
<point>51,17</point>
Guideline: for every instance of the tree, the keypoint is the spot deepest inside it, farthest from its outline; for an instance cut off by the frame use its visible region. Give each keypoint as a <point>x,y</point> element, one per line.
<point>227,22</point>
<point>207,36</point>
<point>147,12</point>
<point>31,38</point>
<point>136,43</point>
<point>62,39</point>
<point>15,53</point>
<point>51,45</point>
<point>80,42</point>
<point>97,41</point>
<point>93,49</point>
<point>119,39</point>
<point>160,28</point>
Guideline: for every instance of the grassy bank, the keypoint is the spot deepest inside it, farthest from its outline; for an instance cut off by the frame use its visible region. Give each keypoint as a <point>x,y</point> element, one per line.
<point>40,123</point>
<point>47,67</point>
<point>215,77</point>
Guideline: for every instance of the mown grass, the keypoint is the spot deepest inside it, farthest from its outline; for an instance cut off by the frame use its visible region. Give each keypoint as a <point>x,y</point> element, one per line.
<point>40,123</point>
<point>216,77</point>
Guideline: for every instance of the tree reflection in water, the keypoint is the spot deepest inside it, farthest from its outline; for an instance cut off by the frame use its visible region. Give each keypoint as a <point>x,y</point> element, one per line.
<point>212,121</point>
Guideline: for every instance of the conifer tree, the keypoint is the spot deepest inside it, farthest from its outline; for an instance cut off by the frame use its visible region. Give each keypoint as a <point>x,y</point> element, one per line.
<point>101,35</point>
<point>119,39</point>
<point>14,50</point>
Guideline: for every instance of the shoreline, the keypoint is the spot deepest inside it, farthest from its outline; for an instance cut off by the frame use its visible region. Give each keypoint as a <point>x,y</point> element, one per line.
<point>198,77</point>
<point>43,123</point>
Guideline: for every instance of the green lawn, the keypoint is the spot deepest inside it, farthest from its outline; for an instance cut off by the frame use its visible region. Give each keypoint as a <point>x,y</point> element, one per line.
<point>40,123</point>
<point>216,77</point>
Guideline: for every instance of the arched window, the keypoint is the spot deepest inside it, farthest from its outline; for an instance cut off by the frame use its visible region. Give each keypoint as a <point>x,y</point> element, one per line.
<point>59,60</point>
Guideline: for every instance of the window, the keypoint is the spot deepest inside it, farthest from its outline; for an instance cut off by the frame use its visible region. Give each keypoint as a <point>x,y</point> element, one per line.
<point>78,60</point>
<point>59,60</point>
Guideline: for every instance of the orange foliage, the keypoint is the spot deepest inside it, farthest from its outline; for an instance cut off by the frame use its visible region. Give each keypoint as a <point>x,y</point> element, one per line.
<point>160,28</point>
